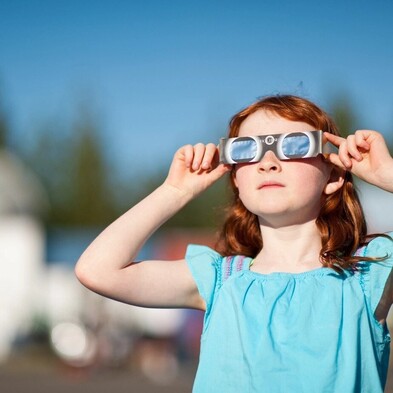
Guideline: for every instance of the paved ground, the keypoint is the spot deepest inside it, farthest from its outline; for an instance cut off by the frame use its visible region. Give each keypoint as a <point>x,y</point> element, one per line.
<point>48,376</point>
<point>39,371</point>
<point>105,382</point>
<point>61,380</point>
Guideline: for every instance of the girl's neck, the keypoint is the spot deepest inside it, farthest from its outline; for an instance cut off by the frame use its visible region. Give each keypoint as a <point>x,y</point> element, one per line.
<point>291,249</point>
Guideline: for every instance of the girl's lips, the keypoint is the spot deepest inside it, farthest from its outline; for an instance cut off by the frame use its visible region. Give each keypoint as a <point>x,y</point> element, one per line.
<point>270,184</point>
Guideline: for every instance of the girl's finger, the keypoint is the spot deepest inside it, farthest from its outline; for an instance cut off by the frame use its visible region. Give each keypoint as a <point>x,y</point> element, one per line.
<point>210,153</point>
<point>188,153</point>
<point>335,160</point>
<point>185,154</point>
<point>344,155</point>
<point>199,152</point>
<point>335,139</point>
<point>353,148</point>
<point>361,140</point>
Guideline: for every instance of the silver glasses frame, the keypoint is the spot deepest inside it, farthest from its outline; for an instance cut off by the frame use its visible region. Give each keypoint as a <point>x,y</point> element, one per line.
<point>274,143</point>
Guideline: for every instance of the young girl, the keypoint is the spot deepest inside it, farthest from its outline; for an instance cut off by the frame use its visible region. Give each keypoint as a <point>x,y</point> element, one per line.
<point>296,294</point>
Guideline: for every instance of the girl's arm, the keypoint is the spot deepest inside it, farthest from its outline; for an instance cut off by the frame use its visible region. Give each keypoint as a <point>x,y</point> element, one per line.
<point>366,155</point>
<point>108,265</point>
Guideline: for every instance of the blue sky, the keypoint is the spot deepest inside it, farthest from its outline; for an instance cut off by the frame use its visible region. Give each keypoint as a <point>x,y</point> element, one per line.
<point>160,74</point>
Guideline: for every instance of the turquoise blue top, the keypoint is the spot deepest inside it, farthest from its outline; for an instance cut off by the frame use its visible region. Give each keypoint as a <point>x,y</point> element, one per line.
<point>284,332</point>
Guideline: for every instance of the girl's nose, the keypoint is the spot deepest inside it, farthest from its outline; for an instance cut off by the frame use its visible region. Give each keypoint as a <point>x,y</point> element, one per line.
<point>269,162</point>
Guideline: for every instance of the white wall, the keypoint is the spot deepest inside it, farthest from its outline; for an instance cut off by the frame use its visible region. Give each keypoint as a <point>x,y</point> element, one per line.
<point>22,267</point>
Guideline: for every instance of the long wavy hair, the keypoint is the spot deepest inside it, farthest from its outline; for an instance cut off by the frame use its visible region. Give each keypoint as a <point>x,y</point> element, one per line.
<point>341,220</point>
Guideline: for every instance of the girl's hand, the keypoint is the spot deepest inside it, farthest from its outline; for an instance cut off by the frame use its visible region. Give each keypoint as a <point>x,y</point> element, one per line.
<point>195,168</point>
<point>366,155</point>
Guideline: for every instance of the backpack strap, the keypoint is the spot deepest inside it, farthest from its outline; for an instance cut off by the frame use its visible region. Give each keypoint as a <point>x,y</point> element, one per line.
<point>233,264</point>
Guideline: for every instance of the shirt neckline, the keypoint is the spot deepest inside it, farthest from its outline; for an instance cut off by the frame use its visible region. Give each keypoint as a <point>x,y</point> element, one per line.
<point>319,271</point>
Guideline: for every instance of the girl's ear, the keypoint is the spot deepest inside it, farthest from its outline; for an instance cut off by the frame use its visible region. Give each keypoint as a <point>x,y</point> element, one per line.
<point>335,181</point>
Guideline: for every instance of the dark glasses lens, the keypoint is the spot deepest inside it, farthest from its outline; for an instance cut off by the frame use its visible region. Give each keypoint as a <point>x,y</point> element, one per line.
<point>295,145</point>
<point>243,149</point>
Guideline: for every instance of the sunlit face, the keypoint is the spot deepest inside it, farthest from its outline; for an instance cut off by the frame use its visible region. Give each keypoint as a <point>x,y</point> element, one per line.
<point>280,192</point>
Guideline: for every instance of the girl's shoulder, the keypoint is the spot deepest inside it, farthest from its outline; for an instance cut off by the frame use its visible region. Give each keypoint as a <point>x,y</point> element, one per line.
<point>227,265</point>
<point>210,269</point>
<point>378,246</point>
<point>374,274</point>
<point>206,263</point>
<point>233,264</point>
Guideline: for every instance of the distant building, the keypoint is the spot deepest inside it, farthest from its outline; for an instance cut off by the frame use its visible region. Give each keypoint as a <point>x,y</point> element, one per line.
<point>22,245</point>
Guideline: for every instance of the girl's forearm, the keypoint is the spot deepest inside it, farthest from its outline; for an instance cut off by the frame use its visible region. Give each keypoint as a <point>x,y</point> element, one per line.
<point>105,265</point>
<point>119,244</point>
<point>386,180</point>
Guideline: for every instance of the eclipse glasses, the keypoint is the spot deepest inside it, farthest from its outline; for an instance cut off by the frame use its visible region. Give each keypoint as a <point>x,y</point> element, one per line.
<point>287,146</point>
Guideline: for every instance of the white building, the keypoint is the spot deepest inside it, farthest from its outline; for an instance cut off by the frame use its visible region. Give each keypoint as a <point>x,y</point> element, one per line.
<point>22,247</point>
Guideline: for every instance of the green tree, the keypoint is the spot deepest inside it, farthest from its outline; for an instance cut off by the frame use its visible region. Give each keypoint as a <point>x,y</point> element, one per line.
<point>47,158</point>
<point>71,162</point>
<point>91,197</point>
<point>346,117</point>
<point>344,114</point>
<point>206,211</point>
<point>3,124</point>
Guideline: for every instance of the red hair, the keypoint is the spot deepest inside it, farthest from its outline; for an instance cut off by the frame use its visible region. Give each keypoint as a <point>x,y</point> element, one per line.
<point>341,221</point>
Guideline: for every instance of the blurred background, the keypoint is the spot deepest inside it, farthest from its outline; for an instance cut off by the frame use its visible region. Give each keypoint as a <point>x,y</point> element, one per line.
<point>95,97</point>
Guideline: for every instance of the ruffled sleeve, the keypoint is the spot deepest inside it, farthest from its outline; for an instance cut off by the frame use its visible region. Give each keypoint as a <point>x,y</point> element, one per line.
<point>374,275</point>
<point>203,263</point>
